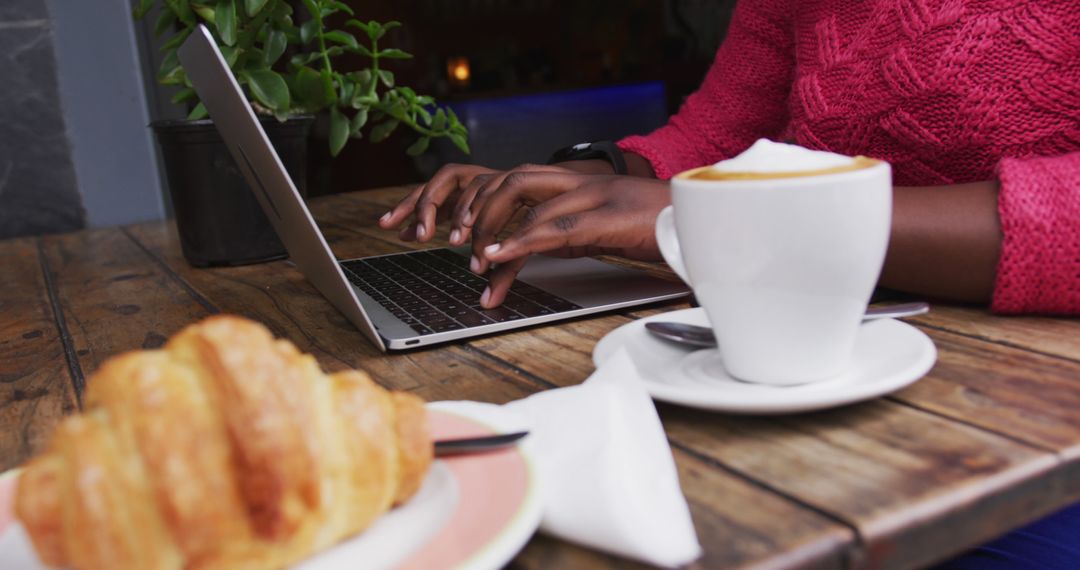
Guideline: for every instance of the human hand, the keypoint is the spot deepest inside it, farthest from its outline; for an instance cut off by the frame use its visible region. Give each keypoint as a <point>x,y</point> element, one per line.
<point>454,190</point>
<point>570,214</point>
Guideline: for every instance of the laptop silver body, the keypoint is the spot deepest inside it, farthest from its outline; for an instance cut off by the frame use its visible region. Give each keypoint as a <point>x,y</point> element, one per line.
<point>586,285</point>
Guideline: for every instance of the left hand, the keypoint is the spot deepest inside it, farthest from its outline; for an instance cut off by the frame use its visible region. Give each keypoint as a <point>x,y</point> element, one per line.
<point>570,215</point>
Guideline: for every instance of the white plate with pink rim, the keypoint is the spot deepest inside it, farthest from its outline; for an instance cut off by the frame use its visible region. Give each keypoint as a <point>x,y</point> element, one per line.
<point>888,355</point>
<point>472,512</point>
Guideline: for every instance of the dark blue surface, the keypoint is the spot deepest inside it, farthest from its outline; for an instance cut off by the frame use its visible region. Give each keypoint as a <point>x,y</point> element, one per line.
<point>1052,543</point>
<point>507,131</point>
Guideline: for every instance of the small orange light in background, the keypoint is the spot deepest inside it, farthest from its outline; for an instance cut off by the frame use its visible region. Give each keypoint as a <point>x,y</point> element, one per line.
<point>458,70</point>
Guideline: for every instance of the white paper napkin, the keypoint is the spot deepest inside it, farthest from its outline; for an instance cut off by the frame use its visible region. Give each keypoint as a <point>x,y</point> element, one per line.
<point>608,477</point>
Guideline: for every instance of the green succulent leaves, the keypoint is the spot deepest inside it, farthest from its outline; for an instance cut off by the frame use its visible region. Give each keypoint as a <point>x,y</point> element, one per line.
<point>254,35</point>
<point>268,88</point>
<point>225,19</point>
<point>252,7</point>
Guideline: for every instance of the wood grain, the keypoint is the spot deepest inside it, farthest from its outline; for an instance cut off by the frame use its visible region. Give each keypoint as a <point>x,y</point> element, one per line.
<point>114,297</point>
<point>36,389</point>
<point>348,222</point>
<point>1027,396</point>
<point>561,355</point>
<point>384,198</point>
<point>1021,394</point>
<point>989,440</point>
<point>739,525</point>
<point>913,484</point>
<point>1057,336</point>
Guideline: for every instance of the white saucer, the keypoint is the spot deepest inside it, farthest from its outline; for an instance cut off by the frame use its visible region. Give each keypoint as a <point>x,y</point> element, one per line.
<point>888,355</point>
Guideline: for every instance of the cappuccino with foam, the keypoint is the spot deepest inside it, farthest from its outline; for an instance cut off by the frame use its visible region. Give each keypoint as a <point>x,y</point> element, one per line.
<point>767,160</point>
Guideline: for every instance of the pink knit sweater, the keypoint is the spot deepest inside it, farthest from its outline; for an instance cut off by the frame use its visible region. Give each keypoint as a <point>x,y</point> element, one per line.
<point>947,91</point>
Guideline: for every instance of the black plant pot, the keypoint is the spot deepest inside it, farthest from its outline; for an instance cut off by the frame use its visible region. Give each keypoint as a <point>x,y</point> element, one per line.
<point>219,220</point>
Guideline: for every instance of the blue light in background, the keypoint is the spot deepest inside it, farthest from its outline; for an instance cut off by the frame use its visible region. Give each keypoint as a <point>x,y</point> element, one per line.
<point>506,131</point>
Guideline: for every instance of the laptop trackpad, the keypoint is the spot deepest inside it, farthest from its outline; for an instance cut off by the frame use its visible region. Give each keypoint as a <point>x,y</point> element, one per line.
<point>590,283</point>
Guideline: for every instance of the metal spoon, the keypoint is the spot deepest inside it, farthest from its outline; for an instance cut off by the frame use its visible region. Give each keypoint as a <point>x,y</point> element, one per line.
<point>444,447</point>
<point>702,337</point>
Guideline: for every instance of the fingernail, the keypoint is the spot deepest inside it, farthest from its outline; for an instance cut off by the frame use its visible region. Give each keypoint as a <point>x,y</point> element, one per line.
<point>492,249</point>
<point>386,216</point>
<point>474,264</point>
<point>467,218</point>
<point>486,296</point>
<point>420,231</point>
<point>455,236</point>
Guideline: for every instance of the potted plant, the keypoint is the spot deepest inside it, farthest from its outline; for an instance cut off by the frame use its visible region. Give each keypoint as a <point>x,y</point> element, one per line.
<point>283,58</point>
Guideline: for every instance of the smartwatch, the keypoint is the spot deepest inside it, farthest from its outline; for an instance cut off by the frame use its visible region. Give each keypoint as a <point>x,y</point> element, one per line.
<point>605,150</point>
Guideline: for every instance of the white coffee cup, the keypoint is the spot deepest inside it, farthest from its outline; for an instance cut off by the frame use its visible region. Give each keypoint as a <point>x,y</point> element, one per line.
<point>784,267</point>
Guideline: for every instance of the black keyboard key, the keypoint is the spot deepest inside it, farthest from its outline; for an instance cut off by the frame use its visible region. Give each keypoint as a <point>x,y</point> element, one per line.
<point>411,303</point>
<point>472,319</point>
<point>561,306</point>
<point>427,314</point>
<point>448,326</point>
<point>420,329</point>
<point>436,321</point>
<point>529,309</point>
<point>499,314</point>
<point>525,289</point>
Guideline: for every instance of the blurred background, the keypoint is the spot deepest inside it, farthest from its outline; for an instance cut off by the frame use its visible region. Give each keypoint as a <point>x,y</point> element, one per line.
<point>525,76</point>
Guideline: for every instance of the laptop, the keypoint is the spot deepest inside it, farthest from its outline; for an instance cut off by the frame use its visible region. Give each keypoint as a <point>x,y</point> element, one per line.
<point>412,298</point>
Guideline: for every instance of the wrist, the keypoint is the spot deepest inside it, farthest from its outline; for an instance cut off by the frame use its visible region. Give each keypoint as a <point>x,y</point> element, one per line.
<point>599,150</point>
<point>590,166</point>
<point>637,165</point>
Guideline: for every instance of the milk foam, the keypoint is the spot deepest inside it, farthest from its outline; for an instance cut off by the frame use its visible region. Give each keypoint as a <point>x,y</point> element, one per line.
<point>767,157</point>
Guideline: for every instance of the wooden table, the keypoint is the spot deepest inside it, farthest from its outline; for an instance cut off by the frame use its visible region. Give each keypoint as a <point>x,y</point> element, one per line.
<point>988,441</point>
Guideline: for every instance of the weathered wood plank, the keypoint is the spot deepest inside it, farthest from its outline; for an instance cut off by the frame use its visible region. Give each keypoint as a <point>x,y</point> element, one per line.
<point>1048,335</point>
<point>1025,395</point>
<point>114,296</point>
<point>904,463</point>
<point>562,355</point>
<point>742,524</point>
<point>349,225</point>
<point>918,477</point>
<point>384,198</point>
<point>739,525</point>
<point>917,487</point>
<point>36,389</point>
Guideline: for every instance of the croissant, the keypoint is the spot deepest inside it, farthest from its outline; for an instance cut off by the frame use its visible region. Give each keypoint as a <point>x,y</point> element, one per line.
<point>226,449</point>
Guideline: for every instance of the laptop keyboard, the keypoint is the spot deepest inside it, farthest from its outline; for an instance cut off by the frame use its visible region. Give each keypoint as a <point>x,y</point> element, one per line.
<point>433,291</point>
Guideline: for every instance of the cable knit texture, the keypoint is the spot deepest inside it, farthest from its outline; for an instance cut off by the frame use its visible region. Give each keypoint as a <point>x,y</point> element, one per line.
<point>947,91</point>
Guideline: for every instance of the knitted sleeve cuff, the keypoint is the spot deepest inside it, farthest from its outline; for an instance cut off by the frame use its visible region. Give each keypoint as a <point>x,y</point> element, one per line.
<point>1039,206</point>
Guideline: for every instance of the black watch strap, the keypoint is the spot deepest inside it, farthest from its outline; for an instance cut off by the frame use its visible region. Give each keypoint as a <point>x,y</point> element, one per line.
<point>605,150</point>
